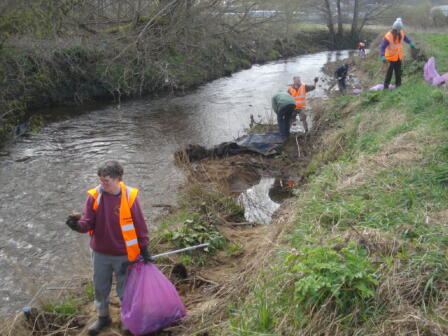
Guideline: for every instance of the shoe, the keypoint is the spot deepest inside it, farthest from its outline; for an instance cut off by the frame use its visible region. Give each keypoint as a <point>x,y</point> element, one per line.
<point>98,325</point>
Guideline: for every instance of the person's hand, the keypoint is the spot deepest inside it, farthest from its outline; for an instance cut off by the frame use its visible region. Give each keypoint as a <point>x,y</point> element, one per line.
<point>316,79</point>
<point>383,59</point>
<point>146,255</point>
<point>412,45</point>
<point>72,221</point>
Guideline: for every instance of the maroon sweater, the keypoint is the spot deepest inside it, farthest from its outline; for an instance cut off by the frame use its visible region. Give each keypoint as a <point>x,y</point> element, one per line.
<point>105,222</point>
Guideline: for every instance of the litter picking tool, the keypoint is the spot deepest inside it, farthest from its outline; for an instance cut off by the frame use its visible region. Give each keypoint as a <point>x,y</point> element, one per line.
<point>298,147</point>
<point>164,254</point>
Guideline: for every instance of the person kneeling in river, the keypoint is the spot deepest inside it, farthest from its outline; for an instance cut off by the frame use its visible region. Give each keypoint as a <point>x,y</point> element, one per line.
<point>118,233</point>
<point>298,91</point>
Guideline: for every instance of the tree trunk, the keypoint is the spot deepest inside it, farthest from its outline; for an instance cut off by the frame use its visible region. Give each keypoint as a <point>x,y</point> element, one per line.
<point>340,27</point>
<point>354,29</point>
<point>330,24</point>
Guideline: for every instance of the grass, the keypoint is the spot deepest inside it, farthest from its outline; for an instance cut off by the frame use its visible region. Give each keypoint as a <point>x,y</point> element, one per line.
<point>370,241</point>
<point>437,45</point>
<point>67,306</point>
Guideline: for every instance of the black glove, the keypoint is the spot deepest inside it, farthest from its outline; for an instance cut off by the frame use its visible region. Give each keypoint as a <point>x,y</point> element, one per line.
<point>316,79</point>
<point>72,222</point>
<point>146,255</point>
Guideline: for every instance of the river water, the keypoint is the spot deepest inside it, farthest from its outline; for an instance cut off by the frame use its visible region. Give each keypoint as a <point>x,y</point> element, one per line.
<point>46,174</point>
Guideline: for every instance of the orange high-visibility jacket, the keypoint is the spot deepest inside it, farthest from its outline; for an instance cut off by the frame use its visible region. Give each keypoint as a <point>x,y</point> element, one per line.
<point>394,50</point>
<point>128,196</point>
<point>299,95</point>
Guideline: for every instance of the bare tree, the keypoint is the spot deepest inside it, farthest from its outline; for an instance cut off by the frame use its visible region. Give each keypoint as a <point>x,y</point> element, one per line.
<point>361,12</point>
<point>329,15</point>
<point>370,13</point>
<point>354,29</point>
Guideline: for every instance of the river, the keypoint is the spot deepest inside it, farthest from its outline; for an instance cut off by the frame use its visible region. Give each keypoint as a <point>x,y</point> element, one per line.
<point>46,174</point>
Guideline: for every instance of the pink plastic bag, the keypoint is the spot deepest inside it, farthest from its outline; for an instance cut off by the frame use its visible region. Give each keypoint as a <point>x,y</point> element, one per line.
<point>380,87</point>
<point>429,70</point>
<point>150,300</point>
<point>432,76</point>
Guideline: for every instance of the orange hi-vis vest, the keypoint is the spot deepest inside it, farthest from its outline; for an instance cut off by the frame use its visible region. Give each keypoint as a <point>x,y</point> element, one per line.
<point>299,96</point>
<point>394,50</point>
<point>128,196</point>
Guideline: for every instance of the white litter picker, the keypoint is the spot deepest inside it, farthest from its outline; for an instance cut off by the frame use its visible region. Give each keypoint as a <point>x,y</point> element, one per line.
<point>164,254</point>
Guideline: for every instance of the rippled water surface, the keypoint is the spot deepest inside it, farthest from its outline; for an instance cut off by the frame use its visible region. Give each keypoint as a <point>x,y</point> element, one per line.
<point>46,175</point>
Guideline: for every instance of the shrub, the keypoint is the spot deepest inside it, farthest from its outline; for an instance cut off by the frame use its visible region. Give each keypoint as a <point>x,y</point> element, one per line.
<point>196,231</point>
<point>331,274</point>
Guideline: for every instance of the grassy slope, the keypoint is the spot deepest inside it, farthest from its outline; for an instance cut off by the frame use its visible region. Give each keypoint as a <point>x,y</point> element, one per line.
<point>368,252</point>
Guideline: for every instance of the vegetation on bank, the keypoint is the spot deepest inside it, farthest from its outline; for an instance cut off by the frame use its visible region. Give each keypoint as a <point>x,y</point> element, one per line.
<point>196,221</point>
<point>368,251</point>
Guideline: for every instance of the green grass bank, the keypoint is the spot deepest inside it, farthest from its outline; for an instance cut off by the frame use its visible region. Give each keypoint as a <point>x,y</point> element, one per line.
<point>366,252</point>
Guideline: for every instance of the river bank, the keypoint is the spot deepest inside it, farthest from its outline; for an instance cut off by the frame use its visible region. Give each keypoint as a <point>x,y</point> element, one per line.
<point>366,250</point>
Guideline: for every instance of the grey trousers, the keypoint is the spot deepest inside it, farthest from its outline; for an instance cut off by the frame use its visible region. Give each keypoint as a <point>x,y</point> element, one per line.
<point>104,266</point>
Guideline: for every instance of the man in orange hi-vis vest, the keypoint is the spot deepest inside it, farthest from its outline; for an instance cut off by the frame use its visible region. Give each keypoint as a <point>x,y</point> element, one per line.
<point>118,233</point>
<point>391,51</point>
<point>298,91</point>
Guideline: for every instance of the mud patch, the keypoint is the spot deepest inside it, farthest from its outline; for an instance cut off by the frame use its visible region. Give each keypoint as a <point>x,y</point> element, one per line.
<point>258,183</point>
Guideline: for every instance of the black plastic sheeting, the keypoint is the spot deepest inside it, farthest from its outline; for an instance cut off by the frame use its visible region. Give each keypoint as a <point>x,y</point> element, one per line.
<point>265,144</point>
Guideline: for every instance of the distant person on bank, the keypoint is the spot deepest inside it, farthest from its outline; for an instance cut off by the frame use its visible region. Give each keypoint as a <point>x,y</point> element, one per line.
<point>391,51</point>
<point>341,75</point>
<point>298,91</point>
<point>118,233</point>
<point>362,48</point>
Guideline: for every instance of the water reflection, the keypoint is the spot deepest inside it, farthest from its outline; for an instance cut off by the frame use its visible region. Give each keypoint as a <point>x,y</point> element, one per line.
<point>258,206</point>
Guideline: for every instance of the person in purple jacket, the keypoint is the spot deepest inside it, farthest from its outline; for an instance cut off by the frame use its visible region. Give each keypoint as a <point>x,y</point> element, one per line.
<point>391,51</point>
<point>118,233</point>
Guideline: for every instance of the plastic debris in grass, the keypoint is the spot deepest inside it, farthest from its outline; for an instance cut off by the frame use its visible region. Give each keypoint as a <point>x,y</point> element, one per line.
<point>431,75</point>
<point>381,87</point>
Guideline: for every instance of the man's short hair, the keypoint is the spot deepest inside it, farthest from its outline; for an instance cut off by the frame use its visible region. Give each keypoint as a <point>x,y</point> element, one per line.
<point>111,168</point>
